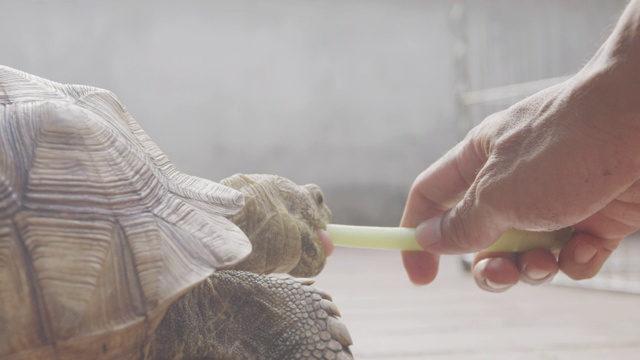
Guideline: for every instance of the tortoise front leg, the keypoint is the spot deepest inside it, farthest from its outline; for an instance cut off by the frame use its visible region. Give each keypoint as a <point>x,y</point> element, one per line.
<point>241,315</point>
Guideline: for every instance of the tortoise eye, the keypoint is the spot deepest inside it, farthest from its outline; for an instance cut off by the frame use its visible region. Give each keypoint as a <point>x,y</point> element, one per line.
<point>316,193</point>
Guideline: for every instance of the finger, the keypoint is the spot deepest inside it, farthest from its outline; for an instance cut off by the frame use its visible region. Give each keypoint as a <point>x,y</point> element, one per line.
<point>495,272</point>
<point>441,187</point>
<point>615,221</point>
<point>583,256</point>
<point>537,266</point>
<point>435,190</point>
<point>422,267</point>
<point>631,194</point>
<point>443,184</point>
<point>470,226</point>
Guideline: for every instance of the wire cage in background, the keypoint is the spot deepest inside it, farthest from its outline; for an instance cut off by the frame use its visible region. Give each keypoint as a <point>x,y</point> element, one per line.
<point>500,60</point>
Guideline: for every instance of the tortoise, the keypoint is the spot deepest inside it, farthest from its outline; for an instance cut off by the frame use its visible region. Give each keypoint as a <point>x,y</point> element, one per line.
<point>107,251</point>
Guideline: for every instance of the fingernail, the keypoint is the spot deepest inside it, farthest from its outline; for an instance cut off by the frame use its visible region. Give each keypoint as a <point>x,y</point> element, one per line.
<point>534,275</point>
<point>428,232</point>
<point>584,252</point>
<point>483,282</point>
<point>495,287</point>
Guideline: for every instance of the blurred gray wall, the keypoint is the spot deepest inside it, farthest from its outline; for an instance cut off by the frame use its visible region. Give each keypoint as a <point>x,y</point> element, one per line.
<point>357,96</point>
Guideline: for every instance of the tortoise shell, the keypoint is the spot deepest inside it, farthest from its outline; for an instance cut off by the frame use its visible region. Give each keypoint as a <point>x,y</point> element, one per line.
<point>99,232</point>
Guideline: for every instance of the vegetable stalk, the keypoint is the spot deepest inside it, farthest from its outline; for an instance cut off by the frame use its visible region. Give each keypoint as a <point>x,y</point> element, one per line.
<point>390,238</point>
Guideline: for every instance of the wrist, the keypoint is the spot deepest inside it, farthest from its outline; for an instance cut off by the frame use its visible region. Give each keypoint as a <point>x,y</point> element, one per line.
<point>615,69</point>
<point>623,46</point>
<point>608,89</point>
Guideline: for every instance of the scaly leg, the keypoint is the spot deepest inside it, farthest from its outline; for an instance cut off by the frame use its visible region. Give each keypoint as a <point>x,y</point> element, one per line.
<point>240,315</point>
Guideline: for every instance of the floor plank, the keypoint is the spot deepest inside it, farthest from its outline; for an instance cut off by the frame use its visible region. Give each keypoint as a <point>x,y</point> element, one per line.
<point>389,318</point>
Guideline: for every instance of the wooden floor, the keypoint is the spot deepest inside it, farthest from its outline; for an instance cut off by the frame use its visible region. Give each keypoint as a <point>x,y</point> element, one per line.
<point>389,318</point>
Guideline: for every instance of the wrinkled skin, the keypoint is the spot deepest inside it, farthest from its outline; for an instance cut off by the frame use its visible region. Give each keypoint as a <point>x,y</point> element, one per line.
<point>239,315</point>
<point>281,219</point>
<point>245,315</point>
<point>566,156</point>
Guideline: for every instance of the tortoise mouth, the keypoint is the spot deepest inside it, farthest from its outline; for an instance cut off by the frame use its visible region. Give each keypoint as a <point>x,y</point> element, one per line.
<point>323,238</point>
<point>315,247</point>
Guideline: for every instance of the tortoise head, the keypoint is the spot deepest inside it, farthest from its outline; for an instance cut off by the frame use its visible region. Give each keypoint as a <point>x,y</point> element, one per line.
<point>284,222</point>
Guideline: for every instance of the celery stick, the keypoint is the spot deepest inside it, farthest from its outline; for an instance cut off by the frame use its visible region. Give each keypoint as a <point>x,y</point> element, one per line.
<point>519,240</point>
<point>372,237</point>
<point>390,238</point>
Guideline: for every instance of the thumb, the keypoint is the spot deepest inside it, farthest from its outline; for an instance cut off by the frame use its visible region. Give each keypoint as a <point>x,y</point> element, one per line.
<point>465,228</point>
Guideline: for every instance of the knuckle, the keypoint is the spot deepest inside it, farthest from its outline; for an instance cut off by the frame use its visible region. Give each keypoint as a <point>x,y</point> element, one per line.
<point>459,230</point>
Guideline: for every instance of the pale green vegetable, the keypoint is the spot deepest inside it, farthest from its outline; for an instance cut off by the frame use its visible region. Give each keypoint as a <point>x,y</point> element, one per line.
<point>519,240</point>
<point>391,238</point>
<point>372,237</point>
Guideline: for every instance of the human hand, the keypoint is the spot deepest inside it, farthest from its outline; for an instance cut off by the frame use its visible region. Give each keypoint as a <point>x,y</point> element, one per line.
<point>567,156</point>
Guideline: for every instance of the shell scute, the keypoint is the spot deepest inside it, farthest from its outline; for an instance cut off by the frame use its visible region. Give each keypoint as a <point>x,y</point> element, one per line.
<point>20,326</point>
<point>99,232</point>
